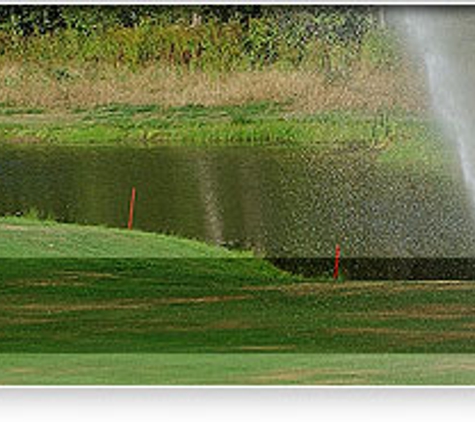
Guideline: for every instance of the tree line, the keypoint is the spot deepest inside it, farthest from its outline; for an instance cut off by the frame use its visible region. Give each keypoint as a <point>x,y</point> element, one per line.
<point>204,36</point>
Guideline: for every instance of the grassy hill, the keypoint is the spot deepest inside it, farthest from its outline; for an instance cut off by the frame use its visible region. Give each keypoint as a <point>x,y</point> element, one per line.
<point>31,238</point>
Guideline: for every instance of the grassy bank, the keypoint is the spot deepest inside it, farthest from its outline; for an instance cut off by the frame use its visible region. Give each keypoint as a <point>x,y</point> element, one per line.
<point>394,137</point>
<point>32,238</point>
<point>237,369</point>
<point>262,124</point>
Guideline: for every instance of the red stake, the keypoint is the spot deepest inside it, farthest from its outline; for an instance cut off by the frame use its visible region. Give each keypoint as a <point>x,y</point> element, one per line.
<point>337,262</point>
<point>131,209</point>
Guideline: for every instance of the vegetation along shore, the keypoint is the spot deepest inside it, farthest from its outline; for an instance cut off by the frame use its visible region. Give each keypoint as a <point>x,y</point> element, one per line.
<point>259,75</point>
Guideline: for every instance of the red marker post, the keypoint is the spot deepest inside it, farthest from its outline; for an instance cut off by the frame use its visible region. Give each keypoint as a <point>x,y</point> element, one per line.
<point>131,210</point>
<point>337,262</point>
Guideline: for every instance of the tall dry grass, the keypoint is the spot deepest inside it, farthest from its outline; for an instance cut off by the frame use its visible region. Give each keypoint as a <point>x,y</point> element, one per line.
<point>304,60</point>
<point>366,88</point>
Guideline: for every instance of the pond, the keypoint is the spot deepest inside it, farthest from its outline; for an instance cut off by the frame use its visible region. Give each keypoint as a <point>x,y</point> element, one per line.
<point>278,202</point>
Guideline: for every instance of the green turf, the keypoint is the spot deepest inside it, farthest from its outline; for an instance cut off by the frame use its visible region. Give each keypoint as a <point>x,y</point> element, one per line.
<point>32,238</point>
<point>132,295</point>
<point>262,124</point>
<point>237,369</point>
<point>206,305</point>
<point>214,316</point>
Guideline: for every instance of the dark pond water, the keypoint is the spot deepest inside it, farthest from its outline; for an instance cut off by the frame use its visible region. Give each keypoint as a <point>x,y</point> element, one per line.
<point>278,202</point>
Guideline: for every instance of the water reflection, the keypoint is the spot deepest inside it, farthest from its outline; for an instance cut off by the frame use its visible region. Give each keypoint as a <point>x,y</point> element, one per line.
<point>277,202</point>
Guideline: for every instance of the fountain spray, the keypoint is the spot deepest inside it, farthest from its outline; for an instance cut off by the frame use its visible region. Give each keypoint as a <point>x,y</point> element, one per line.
<point>443,39</point>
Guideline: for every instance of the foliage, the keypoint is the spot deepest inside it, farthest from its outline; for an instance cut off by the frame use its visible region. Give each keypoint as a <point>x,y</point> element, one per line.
<point>205,37</point>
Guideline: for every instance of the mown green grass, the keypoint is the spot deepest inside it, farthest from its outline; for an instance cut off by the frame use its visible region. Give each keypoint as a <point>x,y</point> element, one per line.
<point>222,306</point>
<point>237,369</point>
<point>211,300</point>
<point>213,317</point>
<point>262,124</point>
<point>32,238</point>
